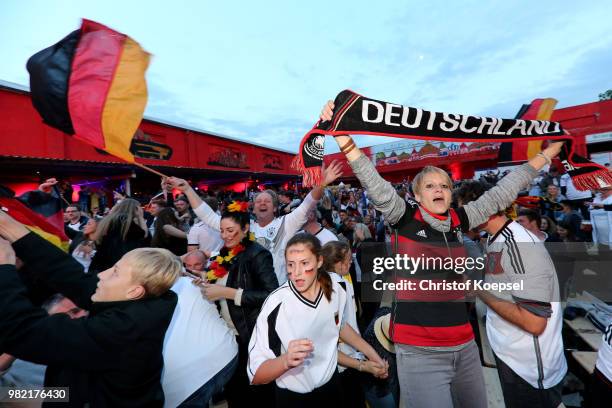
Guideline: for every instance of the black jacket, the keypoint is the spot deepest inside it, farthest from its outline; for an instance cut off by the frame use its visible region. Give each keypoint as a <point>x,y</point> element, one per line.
<point>253,271</point>
<point>113,247</point>
<point>113,358</point>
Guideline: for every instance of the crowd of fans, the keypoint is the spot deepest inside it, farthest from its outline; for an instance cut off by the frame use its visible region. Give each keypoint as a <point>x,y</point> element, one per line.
<point>236,251</point>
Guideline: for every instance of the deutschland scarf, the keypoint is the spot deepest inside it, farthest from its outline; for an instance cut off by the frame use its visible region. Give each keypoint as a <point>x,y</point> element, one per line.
<point>356,114</point>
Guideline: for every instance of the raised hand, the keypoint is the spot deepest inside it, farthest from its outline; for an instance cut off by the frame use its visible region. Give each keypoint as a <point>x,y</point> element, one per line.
<point>553,149</point>
<point>47,185</point>
<point>331,173</point>
<point>178,183</point>
<point>328,111</point>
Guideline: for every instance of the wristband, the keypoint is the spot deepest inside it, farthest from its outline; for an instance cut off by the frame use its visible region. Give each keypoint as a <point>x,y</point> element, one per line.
<point>347,145</point>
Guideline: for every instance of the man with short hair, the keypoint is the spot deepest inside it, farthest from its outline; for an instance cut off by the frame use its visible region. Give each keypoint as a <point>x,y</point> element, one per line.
<point>195,261</point>
<point>203,237</point>
<point>523,324</point>
<point>313,227</point>
<point>531,221</point>
<point>155,206</point>
<point>76,220</point>
<point>270,231</point>
<point>287,202</point>
<point>184,212</point>
<point>112,358</point>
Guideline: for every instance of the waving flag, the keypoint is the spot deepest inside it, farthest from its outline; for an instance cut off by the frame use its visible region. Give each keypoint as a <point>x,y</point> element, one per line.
<point>92,85</point>
<point>35,221</point>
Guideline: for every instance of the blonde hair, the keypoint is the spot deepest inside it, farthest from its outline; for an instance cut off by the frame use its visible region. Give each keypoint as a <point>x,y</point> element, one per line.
<point>418,179</point>
<point>156,269</point>
<point>121,216</point>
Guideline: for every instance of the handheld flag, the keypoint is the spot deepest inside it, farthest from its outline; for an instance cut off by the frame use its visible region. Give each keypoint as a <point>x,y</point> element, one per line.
<point>92,85</point>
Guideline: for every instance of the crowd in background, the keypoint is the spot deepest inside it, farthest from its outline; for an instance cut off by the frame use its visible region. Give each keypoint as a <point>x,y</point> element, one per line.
<point>344,220</point>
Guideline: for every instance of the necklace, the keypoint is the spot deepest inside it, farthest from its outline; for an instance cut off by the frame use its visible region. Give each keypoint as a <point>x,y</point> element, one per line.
<point>220,264</point>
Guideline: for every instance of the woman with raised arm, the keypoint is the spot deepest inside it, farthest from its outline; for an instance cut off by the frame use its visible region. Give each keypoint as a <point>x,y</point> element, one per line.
<point>437,359</point>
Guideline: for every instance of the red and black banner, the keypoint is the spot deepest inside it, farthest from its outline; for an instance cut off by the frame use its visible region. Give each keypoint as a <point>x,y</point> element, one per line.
<point>356,114</point>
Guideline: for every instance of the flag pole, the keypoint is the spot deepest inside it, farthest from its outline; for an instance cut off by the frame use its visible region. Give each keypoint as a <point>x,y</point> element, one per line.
<point>142,166</point>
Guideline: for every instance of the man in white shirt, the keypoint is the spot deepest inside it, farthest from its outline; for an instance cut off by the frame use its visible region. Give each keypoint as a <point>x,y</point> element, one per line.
<point>601,218</point>
<point>523,323</point>
<point>313,227</point>
<point>200,351</point>
<point>270,231</point>
<point>576,196</point>
<point>202,237</point>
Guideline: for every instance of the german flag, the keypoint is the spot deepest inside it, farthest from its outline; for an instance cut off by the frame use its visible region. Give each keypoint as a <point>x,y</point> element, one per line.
<point>33,220</point>
<point>523,150</point>
<point>92,85</point>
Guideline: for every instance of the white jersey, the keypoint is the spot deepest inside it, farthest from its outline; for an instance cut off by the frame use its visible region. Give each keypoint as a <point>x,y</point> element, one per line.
<point>198,344</point>
<point>207,239</point>
<point>351,317</point>
<point>324,236</point>
<point>571,193</point>
<point>515,255</point>
<point>604,356</point>
<point>601,220</point>
<point>286,315</point>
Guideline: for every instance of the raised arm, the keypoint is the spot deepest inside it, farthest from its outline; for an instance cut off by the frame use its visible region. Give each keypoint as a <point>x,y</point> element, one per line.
<point>380,192</point>
<point>296,219</point>
<point>200,208</point>
<point>505,192</point>
<point>56,268</point>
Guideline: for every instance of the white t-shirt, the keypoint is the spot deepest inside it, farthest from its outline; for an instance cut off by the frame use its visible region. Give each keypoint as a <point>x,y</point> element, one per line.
<point>207,239</point>
<point>601,221</point>
<point>514,255</point>
<point>274,236</point>
<point>571,193</point>
<point>604,356</point>
<point>351,317</point>
<point>324,236</point>
<point>286,315</point>
<point>198,344</point>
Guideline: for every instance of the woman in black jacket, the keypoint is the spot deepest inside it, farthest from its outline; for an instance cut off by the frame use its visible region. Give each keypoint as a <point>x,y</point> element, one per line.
<point>241,277</point>
<point>118,233</point>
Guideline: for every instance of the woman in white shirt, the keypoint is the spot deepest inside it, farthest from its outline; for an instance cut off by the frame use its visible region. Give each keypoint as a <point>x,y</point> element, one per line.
<point>296,336</point>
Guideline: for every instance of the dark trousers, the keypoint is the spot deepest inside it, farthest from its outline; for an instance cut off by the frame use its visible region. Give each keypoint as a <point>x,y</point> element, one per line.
<point>240,393</point>
<point>600,392</point>
<point>518,393</point>
<point>328,395</point>
<point>202,396</point>
<point>351,388</point>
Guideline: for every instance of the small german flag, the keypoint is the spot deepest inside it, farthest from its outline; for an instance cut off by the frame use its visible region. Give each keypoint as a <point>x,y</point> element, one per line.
<point>34,221</point>
<point>523,150</point>
<point>92,85</point>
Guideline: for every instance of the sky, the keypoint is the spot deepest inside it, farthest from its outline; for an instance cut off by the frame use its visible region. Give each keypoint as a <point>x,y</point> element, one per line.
<point>261,70</point>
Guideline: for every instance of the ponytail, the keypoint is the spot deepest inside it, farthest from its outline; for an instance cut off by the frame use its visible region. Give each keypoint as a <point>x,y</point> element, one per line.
<point>325,282</point>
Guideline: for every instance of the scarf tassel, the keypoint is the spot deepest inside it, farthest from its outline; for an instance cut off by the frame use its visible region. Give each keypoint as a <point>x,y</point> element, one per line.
<point>312,176</point>
<point>593,181</point>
